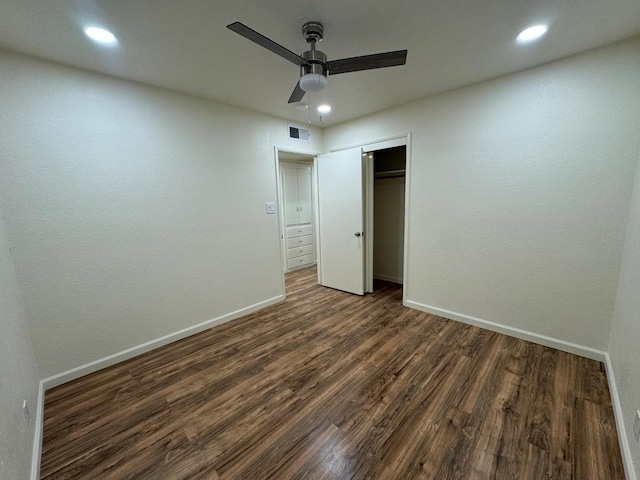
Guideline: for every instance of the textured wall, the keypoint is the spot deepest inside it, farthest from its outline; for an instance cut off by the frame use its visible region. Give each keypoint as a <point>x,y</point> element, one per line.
<point>18,373</point>
<point>625,332</point>
<point>519,192</point>
<point>132,212</point>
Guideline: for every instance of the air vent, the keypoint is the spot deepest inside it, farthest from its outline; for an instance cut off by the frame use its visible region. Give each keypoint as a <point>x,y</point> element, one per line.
<point>301,134</point>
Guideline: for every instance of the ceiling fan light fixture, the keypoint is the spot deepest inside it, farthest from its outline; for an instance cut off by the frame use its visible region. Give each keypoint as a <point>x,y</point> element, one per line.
<point>313,82</point>
<point>324,109</point>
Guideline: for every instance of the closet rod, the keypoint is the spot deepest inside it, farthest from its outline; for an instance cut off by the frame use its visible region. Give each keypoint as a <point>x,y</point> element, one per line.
<point>391,174</point>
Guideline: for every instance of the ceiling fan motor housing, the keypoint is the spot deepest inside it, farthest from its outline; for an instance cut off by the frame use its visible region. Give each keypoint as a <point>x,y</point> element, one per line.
<point>317,62</point>
<point>312,31</point>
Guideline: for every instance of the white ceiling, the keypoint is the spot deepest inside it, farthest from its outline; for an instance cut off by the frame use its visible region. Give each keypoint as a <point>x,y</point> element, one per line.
<point>184,45</point>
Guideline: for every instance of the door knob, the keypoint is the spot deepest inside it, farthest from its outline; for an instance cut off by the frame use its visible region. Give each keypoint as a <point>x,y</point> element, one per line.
<point>357,234</point>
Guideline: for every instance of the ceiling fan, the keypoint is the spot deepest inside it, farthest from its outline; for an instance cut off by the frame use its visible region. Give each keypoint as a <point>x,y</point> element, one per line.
<point>313,63</point>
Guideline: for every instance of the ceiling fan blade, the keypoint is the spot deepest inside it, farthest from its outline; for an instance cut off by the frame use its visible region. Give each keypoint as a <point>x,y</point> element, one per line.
<point>267,43</point>
<point>367,62</point>
<point>297,95</point>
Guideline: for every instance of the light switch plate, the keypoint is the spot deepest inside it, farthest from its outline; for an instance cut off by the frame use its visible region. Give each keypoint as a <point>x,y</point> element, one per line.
<point>271,208</point>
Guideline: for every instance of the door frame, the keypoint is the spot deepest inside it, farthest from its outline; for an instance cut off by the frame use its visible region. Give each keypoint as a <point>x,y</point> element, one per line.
<point>368,148</point>
<point>280,202</point>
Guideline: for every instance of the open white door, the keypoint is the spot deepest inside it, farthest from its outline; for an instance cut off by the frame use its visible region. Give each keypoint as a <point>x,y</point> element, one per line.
<point>341,220</point>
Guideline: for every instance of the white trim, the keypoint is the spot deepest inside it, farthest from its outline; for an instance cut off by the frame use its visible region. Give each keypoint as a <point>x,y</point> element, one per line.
<point>316,220</point>
<point>369,189</point>
<point>287,149</point>
<point>562,345</point>
<point>385,144</point>
<point>110,360</point>
<point>407,205</point>
<point>372,145</point>
<point>280,205</point>
<point>627,459</point>
<point>36,456</point>
<point>388,278</point>
<point>314,194</point>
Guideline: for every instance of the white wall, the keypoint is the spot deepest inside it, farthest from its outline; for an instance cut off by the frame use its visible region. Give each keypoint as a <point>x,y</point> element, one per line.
<point>132,212</point>
<point>18,374</point>
<point>519,193</point>
<point>625,331</point>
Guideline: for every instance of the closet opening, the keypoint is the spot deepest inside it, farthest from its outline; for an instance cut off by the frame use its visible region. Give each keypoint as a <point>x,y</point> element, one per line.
<point>387,214</point>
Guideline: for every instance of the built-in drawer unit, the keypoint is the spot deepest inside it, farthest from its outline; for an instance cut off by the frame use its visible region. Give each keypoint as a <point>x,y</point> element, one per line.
<point>299,246</point>
<point>298,231</point>
<point>299,241</point>
<point>300,261</point>
<point>299,251</point>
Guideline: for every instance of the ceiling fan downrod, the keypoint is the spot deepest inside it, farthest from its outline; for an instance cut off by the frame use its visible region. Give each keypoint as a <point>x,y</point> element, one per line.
<point>313,75</point>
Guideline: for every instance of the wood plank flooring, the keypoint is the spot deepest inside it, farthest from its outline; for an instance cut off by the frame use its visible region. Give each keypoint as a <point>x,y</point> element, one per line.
<point>328,385</point>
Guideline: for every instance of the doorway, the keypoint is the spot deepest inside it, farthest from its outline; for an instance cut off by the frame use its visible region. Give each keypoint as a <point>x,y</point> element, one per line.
<point>297,207</point>
<point>362,193</point>
<point>389,178</point>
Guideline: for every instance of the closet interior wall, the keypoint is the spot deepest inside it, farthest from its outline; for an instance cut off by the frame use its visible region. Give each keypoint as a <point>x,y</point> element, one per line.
<point>388,216</point>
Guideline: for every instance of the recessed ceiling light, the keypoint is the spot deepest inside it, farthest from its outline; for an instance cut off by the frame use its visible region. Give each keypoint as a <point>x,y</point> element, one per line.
<point>100,35</point>
<point>532,33</point>
<point>324,109</point>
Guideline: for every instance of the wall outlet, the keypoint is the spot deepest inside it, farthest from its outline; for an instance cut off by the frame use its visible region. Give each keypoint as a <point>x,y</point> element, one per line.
<point>25,412</point>
<point>636,426</point>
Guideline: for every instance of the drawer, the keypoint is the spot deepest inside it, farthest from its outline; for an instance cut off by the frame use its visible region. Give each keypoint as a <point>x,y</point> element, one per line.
<point>299,251</point>
<point>299,241</point>
<point>298,231</point>
<point>300,261</point>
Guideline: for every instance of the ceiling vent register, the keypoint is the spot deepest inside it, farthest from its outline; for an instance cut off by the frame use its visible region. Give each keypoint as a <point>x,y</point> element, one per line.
<point>301,134</point>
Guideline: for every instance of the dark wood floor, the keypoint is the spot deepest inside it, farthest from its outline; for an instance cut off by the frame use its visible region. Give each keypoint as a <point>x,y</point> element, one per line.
<point>335,386</point>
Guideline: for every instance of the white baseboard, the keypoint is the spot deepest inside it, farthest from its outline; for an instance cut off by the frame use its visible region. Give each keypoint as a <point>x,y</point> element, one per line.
<point>562,345</point>
<point>110,360</point>
<point>627,459</point>
<point>388,278</point>
<point>37,436</point>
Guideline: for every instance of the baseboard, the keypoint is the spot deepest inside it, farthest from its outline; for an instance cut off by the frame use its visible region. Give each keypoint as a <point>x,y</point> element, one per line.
<point>91,367</point>
<point>110,360</point>
<point>562,345</point>
<point>37,436</point>
<point>625,448</point>
<point>387,278</point>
